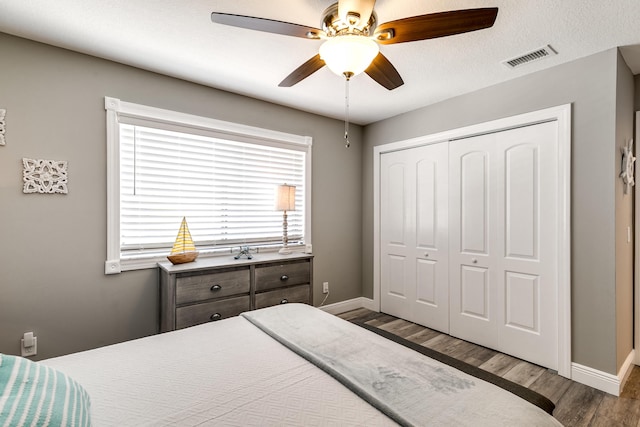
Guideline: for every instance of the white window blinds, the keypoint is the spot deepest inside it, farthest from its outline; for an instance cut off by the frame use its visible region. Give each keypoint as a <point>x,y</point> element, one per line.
<point>224,188</point>
<point>164,165</point>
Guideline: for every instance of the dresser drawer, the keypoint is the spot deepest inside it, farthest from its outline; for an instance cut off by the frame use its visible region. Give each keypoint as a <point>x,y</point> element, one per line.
<point>193,288</point>
<point>216,310</point>
<point>299,293</point>
<point>279,275</point>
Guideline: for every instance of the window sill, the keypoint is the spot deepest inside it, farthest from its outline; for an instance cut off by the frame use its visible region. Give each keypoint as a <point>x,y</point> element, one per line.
<point>143,262</point>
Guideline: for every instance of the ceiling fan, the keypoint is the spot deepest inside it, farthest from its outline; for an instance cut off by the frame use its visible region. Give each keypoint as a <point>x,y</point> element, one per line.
<point>352,36</point>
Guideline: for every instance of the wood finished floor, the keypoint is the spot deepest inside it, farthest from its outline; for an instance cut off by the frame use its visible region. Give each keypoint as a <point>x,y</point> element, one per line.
<point>576,404</point>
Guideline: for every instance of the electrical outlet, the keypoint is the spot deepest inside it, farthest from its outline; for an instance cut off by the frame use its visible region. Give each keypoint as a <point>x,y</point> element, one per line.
<point>325,287</point>
<point>28,345</point>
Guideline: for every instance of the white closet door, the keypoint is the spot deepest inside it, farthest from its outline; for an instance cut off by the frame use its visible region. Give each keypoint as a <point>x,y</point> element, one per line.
<point>472,204</point>
<point>413,231</point>
<point>503,263</point>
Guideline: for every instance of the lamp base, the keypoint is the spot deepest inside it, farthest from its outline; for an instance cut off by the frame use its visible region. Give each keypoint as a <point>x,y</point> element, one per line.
<point>285,251</point>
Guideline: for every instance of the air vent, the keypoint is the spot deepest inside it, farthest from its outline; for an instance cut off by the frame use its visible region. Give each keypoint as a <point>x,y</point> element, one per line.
<point>536,55</point>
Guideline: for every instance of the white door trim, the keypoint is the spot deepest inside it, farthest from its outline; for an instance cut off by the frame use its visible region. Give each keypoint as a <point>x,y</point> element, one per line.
<point>562,115</point>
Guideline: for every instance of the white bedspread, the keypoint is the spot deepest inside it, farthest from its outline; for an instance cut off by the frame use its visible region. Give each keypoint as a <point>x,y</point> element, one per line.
<point>226,373</point>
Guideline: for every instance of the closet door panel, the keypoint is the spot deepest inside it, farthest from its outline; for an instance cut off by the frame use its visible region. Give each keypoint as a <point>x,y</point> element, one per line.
<point>474,202</point>
<point>431,306</point>
<point>413,225</point>
<point>471,207</point>
<point>397,279</point>
<point>426,204</point>
<point>474,295</point>
<point>527,270</point>
<point>397,286</point>
<point>426,277</point>
<point>522,301</point>
<point>522,202</point>
<point>397,209</point>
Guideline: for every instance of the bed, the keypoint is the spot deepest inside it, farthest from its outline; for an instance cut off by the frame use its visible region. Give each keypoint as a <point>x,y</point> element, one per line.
<point>289,365</point>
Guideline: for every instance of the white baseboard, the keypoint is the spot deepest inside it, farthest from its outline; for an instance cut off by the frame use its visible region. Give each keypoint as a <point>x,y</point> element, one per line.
<point>603,381</point>
<point>608,383</point>
<point>348,305</point>
<point>370,304</point>
<point>626,368</point>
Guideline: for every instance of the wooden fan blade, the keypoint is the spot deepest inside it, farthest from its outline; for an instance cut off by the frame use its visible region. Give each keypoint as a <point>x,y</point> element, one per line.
<point>435,25</point>
<point>303,71</point>
<point>364,8</point>
<point>266,25</point>
<point>383,72</point>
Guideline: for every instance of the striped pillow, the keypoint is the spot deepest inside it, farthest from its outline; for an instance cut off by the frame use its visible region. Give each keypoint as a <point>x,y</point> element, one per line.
<point>32,394</point>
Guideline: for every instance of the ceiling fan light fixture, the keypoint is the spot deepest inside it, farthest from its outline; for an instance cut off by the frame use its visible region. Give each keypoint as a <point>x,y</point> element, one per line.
<point>348,54</point>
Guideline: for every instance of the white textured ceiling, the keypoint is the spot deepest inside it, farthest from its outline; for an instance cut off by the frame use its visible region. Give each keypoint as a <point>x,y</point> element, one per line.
<point>177,38</point>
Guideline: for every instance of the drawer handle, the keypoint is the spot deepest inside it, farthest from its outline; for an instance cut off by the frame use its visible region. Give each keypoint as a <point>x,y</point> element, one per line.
<point>284,301</point>
<point>216,288</point>
<point>215,316</point>
<point>284,277</point>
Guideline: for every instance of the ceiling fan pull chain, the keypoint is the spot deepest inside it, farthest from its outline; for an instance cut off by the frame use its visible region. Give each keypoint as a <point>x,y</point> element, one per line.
<point>346,109</point>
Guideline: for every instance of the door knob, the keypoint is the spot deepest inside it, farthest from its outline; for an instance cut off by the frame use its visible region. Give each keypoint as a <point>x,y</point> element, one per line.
<point>475,261</point>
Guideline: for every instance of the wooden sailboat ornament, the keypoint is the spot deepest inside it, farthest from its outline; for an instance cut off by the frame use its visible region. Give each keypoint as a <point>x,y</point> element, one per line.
<point>183,250</point>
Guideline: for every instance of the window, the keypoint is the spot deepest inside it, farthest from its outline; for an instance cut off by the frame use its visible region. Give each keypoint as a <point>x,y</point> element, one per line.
<point>220,176</point>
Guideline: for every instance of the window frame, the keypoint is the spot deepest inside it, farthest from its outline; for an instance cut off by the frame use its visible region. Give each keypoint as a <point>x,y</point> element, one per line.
<point>118,111</point>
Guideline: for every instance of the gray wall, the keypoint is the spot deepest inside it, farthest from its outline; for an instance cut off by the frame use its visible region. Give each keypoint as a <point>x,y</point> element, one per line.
<point>637,92</point>
<point>53,247</point>
<point>589,84</point>
<point>625,117</point>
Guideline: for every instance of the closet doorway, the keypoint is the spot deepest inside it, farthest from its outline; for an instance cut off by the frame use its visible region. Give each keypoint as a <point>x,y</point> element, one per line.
<point>473,234</point>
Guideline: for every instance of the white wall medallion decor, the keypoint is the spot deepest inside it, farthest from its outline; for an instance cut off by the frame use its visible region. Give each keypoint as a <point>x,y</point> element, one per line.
<point>627,166</point>
<point>44,176</point>
<point>2,127</point>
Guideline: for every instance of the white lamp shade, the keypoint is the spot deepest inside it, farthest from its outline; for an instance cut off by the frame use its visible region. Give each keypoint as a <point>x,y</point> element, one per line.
<point>348,53</point>
<point>286,198</point>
